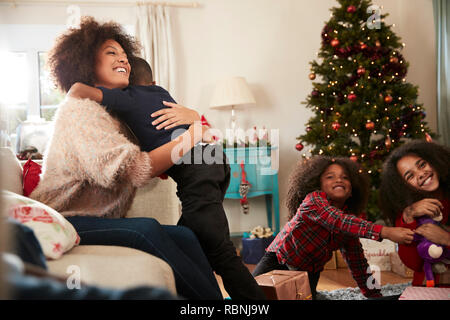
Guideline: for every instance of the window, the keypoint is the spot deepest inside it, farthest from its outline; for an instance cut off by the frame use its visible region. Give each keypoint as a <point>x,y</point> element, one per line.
<point>14,93</point>
<point>18,91</point>
<point>27,93</point>
<point>49,95</point>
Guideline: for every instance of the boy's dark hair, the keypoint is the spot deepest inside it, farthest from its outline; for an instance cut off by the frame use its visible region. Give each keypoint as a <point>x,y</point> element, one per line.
<point>141,72</point>
<point>306,178</point>
<point>72,59</point>
<point>395,193</point>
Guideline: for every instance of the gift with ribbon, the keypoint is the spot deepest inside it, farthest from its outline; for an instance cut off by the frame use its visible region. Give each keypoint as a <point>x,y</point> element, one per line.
<point>254,244</point>
<point>285,285</point>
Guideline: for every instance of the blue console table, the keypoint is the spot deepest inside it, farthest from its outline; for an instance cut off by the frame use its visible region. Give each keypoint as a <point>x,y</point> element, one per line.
<point>263,179</point>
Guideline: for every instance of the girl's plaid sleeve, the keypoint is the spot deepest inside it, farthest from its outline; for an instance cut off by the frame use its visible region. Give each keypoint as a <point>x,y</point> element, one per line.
<point>353,253</point>
<point>335,220</point>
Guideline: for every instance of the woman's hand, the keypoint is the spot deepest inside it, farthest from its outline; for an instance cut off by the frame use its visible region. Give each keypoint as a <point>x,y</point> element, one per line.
<point>434,233</point>
<point>174,116</point>
<point>430,207</point>
<point>399,235</point>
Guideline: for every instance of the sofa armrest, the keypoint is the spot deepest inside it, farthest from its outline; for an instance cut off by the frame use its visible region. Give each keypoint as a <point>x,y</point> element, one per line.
<point>157,200</point>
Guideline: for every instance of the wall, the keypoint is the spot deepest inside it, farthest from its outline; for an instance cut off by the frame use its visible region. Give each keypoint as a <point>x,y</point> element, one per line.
<point>270,42</point>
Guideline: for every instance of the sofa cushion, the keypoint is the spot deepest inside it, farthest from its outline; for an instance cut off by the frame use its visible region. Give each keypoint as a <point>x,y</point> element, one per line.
<point>114,267</point>
<point>56,235</point>
<point>157,199</point>
<point>11,171</point>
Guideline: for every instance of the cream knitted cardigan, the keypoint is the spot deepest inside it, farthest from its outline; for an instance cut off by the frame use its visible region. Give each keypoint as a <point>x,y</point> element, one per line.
<point>90,167</point>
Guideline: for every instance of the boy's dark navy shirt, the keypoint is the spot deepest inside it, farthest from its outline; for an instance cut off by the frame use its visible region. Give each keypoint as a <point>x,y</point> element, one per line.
<point>134,105</point>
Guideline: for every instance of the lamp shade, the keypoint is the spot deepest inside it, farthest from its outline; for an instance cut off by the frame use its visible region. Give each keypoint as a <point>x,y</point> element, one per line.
<point>231,92</point>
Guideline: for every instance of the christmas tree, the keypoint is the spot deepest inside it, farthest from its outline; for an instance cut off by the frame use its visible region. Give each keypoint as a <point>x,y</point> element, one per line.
<point>363,107</point>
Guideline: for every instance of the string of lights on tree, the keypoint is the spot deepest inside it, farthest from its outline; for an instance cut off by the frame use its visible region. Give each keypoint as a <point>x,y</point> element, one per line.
<point>363,106</point>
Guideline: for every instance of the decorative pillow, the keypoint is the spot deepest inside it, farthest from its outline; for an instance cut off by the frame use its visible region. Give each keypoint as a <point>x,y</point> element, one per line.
<point>30,178</point>
<point>55,234</point>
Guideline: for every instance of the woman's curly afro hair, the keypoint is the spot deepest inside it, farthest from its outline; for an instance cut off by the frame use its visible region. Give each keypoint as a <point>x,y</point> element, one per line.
<point>305,178</point>
<point>395,193</point>
<point>72,59</point>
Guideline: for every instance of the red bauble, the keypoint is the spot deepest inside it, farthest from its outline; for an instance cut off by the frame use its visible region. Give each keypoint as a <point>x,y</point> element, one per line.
<point>354,158</point>
<point>351,9</point>
<point>393,60</point>
<point>370,125</point>
<point>335,126</point>
<point>428,137</point>
<point>334,42</point>
<point>352,97</point>
<point>362,45</point>
<point>388,99</point>
<point>299,146</point>
<point>361,71</point>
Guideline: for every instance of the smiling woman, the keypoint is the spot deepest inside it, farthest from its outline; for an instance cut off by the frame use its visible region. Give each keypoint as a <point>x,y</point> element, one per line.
<point>112,69</point>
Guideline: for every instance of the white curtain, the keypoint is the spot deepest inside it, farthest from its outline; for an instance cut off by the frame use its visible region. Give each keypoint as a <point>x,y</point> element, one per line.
<point>153,31</point>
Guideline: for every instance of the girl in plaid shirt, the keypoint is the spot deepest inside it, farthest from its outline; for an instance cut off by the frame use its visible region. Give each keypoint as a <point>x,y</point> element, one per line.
<point>324,194</point>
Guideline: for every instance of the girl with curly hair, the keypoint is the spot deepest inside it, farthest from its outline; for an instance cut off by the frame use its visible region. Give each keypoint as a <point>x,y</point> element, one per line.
<point>415,181</point>
<point>92,168</point>
<point>324,196</point>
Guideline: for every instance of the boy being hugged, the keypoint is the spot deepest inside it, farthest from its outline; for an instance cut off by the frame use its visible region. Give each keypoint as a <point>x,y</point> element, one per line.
<point>324,196</point>
<point>201,185</point>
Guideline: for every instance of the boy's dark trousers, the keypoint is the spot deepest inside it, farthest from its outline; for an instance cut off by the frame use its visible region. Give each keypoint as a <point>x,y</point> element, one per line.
<point>201,187</point>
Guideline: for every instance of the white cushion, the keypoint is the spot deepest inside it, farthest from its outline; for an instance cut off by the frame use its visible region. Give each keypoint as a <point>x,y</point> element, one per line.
<point>11,171</point>
<point>55,234</point>
<point>157,200</point>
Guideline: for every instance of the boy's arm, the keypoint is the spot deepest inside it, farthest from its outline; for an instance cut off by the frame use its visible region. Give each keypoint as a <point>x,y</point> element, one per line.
<point>82,91</point>
<point>113,99</point>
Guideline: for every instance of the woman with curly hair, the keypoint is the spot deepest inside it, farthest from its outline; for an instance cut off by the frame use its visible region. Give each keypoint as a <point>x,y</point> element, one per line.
<point>415,182</point>
<point>91,168</point>
<point>324,196</point>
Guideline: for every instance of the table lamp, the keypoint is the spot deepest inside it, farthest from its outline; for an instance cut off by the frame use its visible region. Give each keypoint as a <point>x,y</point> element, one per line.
<point>231,92</point>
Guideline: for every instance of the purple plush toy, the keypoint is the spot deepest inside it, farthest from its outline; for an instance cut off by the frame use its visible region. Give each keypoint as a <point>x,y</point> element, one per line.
<point>430,252</point>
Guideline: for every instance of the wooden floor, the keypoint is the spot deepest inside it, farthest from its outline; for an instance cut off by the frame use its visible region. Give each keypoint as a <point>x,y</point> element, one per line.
<point>337,279</point>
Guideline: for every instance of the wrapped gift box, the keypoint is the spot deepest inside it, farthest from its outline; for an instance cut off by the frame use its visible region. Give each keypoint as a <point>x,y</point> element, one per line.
<point>285,285</point>
<point>377,253</point>
<point>424,293</point>
<point>254,249</point>
<point>398,267</point>
<point>444,278</point>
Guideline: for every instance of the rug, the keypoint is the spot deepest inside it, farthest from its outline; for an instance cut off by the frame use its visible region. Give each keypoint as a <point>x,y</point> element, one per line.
<point>355,293</point>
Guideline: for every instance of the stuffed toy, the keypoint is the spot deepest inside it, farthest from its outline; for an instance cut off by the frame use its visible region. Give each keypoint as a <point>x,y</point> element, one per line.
<point>430,252</point>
